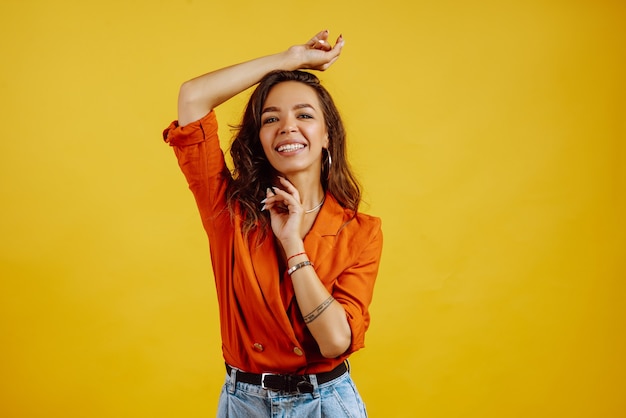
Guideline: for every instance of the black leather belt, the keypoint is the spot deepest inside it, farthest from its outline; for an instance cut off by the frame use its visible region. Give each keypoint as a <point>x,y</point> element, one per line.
<point>287,382</point>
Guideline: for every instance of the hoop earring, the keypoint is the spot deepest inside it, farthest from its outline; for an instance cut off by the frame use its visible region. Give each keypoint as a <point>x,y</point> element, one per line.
<point>330,163</point>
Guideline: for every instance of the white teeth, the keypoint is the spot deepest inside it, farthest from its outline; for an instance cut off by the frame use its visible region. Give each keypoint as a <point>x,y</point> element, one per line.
<point>289,147</point>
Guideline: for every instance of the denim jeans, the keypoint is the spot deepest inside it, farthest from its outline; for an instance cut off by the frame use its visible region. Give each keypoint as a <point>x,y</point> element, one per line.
<point>334,399</point>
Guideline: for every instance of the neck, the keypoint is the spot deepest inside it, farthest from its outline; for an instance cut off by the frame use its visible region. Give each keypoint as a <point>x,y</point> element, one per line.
<point>310,190</point>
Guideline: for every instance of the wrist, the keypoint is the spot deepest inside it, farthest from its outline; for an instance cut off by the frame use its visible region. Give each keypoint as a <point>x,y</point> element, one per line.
<point>292,59</point>
<point>294,249</point>
<point>297,258</point>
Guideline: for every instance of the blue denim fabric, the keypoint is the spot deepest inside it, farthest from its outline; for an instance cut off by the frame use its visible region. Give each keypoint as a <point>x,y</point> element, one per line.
<point>335,399</point>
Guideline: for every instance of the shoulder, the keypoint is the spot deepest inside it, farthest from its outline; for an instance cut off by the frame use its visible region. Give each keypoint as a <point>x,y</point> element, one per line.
<point>359,242</point>
<point>366,219</point>
<point>361,227</point>
<point>363,220</point>
<point>344,224</point>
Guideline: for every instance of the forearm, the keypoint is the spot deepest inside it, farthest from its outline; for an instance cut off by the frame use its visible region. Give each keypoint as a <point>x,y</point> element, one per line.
<point>325,317</point>
<point>199,95</point>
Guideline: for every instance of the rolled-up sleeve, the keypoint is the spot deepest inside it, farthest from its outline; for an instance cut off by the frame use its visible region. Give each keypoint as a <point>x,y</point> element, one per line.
<point>201,160</point>
<point>355,286</point>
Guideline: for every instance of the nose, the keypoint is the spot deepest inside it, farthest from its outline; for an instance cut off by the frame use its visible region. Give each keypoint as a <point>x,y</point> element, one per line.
<point>288,125</point>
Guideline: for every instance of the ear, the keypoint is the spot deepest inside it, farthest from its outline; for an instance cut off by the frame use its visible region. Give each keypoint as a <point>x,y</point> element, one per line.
<point>326,141</point>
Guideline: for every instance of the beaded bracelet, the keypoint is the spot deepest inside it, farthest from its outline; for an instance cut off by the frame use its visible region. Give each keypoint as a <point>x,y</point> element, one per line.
<point>299,266</point>
<point>295,255</point>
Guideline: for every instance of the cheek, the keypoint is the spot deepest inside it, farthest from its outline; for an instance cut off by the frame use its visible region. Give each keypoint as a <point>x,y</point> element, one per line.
<point>266,143</point>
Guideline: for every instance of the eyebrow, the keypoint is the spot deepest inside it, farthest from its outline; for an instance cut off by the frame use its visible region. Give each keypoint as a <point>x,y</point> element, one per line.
<point>298,106</point>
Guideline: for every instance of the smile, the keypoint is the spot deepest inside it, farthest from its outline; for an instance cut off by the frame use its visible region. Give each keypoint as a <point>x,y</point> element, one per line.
<point>289,147</point>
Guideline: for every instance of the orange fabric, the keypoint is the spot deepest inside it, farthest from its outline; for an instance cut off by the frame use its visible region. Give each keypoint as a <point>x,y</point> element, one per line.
<point>261,326</point>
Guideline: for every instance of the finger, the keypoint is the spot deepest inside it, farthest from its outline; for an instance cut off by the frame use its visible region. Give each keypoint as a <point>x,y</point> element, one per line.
<point>291,189</point>
<point>271,195</point>
<point>290,199</point>
<point>339,44</point>
<point>282,195</point>
<point>274,203</point>
<point>321,36</point>
<point>270,199</point>
<point>323,46</point>
<point>333,55</point>
<point>329,63</point>
<point>320,45</point>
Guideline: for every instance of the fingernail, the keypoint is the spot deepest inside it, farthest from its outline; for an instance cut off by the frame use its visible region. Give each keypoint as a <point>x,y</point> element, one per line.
<point>262,208</point>
<point>264,200</point>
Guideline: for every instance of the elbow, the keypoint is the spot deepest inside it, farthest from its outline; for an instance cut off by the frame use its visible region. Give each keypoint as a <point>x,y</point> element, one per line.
<point>335,348</point>
<point>191,105</point>
<point>186,93</point>
<point>337,339</point>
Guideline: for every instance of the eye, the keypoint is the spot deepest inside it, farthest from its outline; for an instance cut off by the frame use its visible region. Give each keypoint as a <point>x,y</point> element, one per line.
<point>270,119</point>
<point>305,116</point>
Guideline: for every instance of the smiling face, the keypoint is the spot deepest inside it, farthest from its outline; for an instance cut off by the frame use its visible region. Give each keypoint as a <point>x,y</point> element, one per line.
<point>293,131</point>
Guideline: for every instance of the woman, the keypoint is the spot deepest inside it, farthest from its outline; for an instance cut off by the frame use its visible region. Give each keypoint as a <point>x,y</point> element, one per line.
<point>294,261</point>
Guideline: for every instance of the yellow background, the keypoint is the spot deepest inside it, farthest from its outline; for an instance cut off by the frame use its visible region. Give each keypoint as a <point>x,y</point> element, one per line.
<point>488,135</point>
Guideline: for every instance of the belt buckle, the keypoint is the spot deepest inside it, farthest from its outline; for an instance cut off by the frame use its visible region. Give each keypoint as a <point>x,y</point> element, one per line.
<point>304,386</point>
<point>263,375</point>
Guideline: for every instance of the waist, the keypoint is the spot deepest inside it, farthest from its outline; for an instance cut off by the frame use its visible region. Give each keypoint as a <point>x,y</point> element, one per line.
<point>287,382</point>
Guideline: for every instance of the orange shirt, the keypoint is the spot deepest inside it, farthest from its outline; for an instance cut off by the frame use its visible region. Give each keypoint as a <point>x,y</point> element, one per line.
<point>261,326</point>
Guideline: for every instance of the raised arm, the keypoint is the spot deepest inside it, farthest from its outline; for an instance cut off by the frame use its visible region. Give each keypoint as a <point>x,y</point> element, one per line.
<point>200,95</point>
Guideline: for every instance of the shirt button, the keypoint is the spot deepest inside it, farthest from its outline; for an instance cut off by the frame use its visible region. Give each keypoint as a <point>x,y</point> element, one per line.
<point>298,351</point>
<point>258,347</point>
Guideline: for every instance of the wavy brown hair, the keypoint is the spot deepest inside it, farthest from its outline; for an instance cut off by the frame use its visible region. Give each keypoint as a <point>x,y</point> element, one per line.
<point>253,173</point>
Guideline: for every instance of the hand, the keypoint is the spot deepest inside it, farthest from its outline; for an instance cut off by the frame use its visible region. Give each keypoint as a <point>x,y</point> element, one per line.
<point>317,53</point>
<point>286,212</point>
